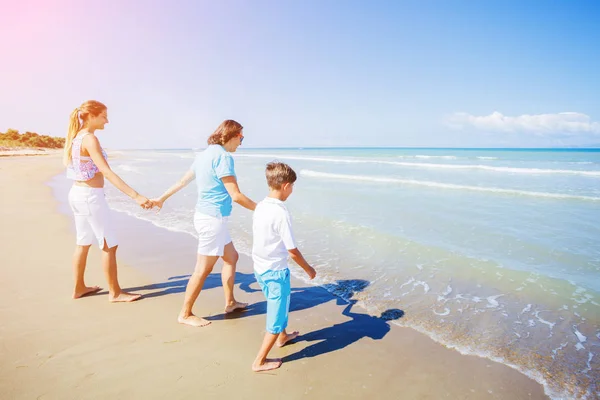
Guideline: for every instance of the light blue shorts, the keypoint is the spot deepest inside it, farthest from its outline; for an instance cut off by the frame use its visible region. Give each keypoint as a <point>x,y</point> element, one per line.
<point>276,287</point>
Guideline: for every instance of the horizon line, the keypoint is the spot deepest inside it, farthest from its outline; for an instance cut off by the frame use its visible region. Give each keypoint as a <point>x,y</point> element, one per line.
<point>378,148</point>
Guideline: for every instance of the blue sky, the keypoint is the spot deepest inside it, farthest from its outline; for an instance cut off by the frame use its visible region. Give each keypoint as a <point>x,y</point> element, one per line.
<point>307,73</point>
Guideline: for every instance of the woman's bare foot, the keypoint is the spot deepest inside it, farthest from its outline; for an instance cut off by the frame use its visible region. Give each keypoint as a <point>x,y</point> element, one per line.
<point>286,339</point>
<point>80,292</point>
<point>192,320</point>
<point>124,297</point>
<point>267,365</point>
<point>235,306</point>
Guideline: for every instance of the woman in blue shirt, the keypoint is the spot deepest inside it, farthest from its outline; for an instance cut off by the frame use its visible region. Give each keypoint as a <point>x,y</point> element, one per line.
<point>213,170</point>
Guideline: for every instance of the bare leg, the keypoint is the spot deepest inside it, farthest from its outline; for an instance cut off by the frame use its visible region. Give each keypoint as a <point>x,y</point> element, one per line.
<point>262,363</point>
<point>79,263</point>
<point>230,259</point>
<point>109,264</point>
<point>285,337</point>
<point>204,266</point>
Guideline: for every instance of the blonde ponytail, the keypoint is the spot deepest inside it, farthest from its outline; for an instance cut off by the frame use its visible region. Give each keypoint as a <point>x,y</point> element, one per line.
<point>74,128</point>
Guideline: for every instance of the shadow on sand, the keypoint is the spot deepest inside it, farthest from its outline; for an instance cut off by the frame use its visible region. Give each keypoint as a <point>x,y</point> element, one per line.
<point>301,298</point>
<point>329,339</point>
<point>339,336</point>
<point>177,284</point>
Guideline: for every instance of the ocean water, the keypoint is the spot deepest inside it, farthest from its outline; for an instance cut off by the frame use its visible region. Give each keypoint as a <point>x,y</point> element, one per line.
<point>491,252</point>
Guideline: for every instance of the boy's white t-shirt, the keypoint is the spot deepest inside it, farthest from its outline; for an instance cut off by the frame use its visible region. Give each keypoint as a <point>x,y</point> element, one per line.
<point>272,236</point>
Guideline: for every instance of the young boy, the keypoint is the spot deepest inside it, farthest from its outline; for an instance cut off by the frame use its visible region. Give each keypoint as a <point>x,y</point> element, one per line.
<point>273,242</point>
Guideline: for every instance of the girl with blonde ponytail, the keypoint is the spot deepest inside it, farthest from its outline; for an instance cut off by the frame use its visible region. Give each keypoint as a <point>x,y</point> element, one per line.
<point>87,166</point>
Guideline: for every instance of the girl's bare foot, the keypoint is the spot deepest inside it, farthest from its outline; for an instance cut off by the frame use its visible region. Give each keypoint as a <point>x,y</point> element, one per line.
<point>80,292</point>
<point>124,297</point>
<point>192,320</point>
<point>289,337</point>
<point>235,306</point>
<point>267,365</point>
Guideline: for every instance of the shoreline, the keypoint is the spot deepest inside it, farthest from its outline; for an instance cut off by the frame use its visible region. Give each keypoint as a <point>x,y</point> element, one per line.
<point>94,359</point>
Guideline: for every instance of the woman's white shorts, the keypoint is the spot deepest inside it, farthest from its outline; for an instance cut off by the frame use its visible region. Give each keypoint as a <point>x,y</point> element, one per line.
<point>213,234</point>
<point>92,216</point>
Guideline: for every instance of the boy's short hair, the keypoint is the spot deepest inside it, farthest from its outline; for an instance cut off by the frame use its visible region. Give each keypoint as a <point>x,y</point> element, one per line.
<point>279,173</point>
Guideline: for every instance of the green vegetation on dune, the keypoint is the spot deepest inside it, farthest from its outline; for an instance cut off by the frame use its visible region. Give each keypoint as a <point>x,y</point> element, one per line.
<point>12,138</point>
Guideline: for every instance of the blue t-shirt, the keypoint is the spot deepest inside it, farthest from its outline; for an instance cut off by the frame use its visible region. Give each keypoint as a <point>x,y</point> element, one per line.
<point>209,167</point>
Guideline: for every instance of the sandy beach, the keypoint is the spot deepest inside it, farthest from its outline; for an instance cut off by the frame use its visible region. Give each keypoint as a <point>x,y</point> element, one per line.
<point>26,151</point>
<point>54,347</point>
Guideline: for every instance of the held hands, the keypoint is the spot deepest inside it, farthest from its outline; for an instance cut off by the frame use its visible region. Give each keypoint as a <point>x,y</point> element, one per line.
<point>157,203</point>
<point>148,204</point>
<point>143,202</point>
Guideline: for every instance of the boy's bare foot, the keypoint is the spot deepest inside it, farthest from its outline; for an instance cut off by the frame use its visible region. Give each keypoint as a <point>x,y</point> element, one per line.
<point>124,297</point>
<point>235,306</point>
<point>85,291</point>
<point>192,320</point>
<point>269,364</point>
<point>289,337</point>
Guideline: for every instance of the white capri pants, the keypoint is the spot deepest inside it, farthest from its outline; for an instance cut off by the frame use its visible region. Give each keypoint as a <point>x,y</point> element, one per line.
<point>92,216</point>
<point>213,234</point>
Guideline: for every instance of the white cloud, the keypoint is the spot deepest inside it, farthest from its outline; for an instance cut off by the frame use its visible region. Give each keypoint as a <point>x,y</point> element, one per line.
<point>565,123</point>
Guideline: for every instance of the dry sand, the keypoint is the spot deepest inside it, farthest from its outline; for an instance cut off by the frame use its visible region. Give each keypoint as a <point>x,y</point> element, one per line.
<point>26,151</point>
